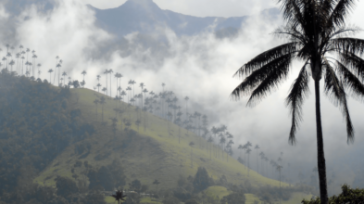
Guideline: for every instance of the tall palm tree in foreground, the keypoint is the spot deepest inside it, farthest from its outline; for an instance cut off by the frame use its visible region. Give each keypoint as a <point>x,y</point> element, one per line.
<point>317,36</point>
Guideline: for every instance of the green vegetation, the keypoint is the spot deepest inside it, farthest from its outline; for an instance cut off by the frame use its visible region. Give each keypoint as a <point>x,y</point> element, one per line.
<point>153,153</point>
<point>348,196</point>
<point>68,150</point>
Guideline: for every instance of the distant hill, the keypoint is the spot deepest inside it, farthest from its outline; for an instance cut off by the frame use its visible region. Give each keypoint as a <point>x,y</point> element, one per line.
<point>145,16</point>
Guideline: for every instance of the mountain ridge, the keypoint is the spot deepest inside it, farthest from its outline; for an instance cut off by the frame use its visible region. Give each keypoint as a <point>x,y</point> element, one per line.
<point>145,16</point>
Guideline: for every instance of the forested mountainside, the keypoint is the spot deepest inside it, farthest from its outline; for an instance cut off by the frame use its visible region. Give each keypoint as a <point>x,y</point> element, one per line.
<point>58,146</point>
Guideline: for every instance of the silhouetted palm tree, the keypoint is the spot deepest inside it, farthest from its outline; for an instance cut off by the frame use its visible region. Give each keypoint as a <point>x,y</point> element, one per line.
<point>186,99</point>
<point>98,87</point>
<point>240,147</point>
<point>119,196</point>
<point>84,73</point>
<point>64,74</point>
<point>102,102</point>
<point>110,72</point>
<point>317,33</point>
<point>106,72</point>
<point>137,123</point>
<point>191,145</point>
<point>96,101</point>
<point>248,150</point>
<point>211,141</point>
<point>50,72</point>
<point>257,149</point>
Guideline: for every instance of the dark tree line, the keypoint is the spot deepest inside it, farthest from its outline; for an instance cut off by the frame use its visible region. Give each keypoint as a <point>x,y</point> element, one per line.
<point>37,122</point>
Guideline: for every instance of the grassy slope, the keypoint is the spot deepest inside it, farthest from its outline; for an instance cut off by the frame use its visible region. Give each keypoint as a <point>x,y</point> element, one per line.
<point>155,153</point>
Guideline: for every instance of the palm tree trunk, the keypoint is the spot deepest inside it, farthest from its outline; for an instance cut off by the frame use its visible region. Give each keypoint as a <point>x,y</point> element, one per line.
<point>320,147</point>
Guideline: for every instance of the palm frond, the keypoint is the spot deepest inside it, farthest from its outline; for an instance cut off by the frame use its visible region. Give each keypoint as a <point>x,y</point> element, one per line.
<point>292,10</point>
<point>252,81</point>
<point>272,80</point>
<point>341,10</point>
<point>327,7</point>
<point>341,45</point>
<point>332,84</point>
<point>335,89</point>
<point>291,32</point>
<point>354,63</point>
<point>339,32</point>
<point>350,80</point>
<point>295,100</point>
<point>345,110</point>
<point>266,58</point>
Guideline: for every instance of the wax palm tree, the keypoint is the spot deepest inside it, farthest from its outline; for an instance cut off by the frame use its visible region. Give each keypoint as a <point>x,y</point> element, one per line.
<point>186,99</point>
<point>50,73</point>
<point>104,90</point>
<point>34,61</point>
<point>96,101</point>
<point>191,145</point>
<point>22,63</point>
<point>110,72</point>
<point>211,141</point>
<point>257,148</point>
<point>222,143</point>
<point>240,147</point>
<point>98,87</point>
<point>11,63</point>
<point>64,74</point>
<point>39,65</point>
<point>102,102</point>
<point>58,66</point>
<point>84,73</point>
<point>106,72</point>
<point>315,29</point>
<point>279,169</point>
<point>119,196</point>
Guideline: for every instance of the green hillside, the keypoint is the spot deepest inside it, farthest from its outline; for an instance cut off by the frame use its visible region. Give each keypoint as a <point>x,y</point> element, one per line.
<point>57,144</point>
<point>155,152</point>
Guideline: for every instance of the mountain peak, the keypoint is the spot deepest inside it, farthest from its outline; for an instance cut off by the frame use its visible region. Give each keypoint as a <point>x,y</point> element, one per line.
<point>143,3</point>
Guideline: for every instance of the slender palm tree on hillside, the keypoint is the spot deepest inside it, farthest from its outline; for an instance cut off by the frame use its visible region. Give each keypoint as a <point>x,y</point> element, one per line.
<point>240,147</point>
<point>104,90</point>
<point>84,73</point>
<point>191,145</point>
<point>248,153</point>
<point>39,65</point>
<point>211,141</point>
<point>96,101</point>
<point>64,74</point>
<point>11,63</point>
<point>110,72</point>
<point>256,148</point>
<point>316,34</point>
<point>106,72</point>
<point>186,99</point>
<point>50,73</point>
<point>98,87</point>
<point>102,102</point>
<point>34,62</point>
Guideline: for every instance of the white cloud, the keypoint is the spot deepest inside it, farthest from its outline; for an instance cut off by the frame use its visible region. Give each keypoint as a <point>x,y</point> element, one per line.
<point>67,32</point>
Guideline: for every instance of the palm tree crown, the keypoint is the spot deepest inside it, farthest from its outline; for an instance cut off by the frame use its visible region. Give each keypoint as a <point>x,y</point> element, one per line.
<point>318,37</point>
